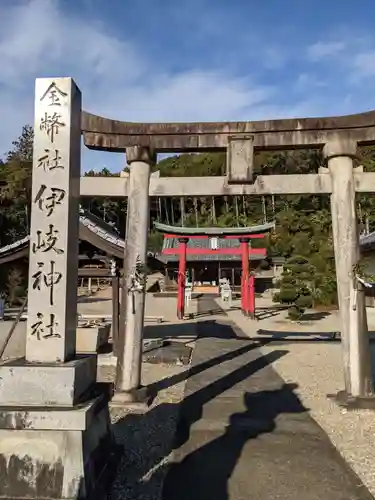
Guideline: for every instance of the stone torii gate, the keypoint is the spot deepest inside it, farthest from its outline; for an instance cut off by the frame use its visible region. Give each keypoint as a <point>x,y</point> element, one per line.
<point>337,137</point>
<point>54,422</point>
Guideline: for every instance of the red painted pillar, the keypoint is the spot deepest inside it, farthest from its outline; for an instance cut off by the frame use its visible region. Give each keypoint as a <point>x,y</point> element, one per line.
<point>181,278</point>
<point>251,308</point>
<point>245,275</point>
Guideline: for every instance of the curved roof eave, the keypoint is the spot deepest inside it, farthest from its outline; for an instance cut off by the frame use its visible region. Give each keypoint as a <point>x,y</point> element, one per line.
<point>213,231</point>
<point>91,229</point>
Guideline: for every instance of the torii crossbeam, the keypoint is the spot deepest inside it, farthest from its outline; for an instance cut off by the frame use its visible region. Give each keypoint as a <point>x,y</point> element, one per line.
<point>337,137</point>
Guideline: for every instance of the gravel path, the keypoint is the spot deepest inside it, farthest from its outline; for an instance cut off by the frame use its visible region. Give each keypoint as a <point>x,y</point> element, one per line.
<point>316,369</point>
<point>147,440</point>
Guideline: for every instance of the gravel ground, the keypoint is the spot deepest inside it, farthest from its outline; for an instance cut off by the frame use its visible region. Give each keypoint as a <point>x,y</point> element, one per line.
<point>316,368</point>
<point>147,440</point>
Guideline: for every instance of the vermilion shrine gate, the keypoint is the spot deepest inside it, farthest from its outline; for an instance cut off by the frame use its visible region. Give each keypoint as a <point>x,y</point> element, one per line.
<point>54,421</point>
<point>215,235</point>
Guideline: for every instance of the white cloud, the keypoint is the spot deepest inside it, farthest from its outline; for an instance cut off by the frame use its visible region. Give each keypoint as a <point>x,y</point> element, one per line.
<point>274,58</point>
<point>116,79</point>
<point>323,50</point>
<point>364,64</point>
<point>187,96</point>
<point>306,82</point>
<point>354,57</point>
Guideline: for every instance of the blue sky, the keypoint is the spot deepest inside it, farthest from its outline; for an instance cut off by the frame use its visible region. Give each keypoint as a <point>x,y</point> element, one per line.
<point>174,60</point>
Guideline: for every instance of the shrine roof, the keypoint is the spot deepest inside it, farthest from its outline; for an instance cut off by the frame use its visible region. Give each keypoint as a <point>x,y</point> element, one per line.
<point>367,241</point>
<point>227,250</point>
<point>167,259</point>
<point>91,229</point>
<point>214,231</point>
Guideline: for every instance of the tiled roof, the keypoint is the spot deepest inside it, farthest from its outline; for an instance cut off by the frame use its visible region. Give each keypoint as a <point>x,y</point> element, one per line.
<point>87,219</point>
<point>367,240</point>
<point>208,258</point>
<point>14,246</point>
<point>101,228</point>
<point>182,230</point>
<point>204,244</point>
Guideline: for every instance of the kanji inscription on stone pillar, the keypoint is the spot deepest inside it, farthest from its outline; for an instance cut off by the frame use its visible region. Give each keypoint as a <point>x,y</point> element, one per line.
<point>53,262</point>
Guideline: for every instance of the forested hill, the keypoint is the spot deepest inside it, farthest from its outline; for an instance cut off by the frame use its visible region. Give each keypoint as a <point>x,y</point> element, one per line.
<point>303,223</point>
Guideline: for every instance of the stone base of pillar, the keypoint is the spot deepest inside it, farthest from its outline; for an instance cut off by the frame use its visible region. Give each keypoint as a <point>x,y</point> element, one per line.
<point>51,452</point>
<point>46,384</point>
<point>350,402</point>
<point>136,401</point>
<point>248,314</point>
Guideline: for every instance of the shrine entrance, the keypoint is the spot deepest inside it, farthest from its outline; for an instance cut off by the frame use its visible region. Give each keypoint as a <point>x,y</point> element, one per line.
<point>196,255</point>
<point>336,137</point>
<point>59,413</point>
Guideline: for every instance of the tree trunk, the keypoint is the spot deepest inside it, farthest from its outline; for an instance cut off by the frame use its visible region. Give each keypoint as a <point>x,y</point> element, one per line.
<point>213,211</point>
<point>264,210</point>
<point>159,209</point>
<point>237,215</point>
<point>172,210</point>
<point>166,210</point>
<point>182,210</point>
<point>196,211</point>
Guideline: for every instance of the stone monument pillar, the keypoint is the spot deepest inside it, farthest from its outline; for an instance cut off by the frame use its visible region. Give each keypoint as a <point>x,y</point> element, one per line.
<point>354,334</point>
<point>53,262</point>
<point>129,361</point>
<point>51,422</point>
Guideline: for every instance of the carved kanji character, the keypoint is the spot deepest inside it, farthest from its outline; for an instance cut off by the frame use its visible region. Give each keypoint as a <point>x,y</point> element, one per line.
<point>49,202</point>
<point>40,330</point>
<point>51,124</point>
<point>47,241</point>
<point>49,279</point>
<point>51,160</point>
<point>53,93</point>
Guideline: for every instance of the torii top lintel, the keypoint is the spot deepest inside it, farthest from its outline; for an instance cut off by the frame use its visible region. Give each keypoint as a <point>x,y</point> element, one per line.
<point>214,231</point>
<point>111,135</point>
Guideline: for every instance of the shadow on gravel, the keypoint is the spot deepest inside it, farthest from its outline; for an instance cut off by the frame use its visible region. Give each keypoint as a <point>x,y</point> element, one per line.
<point>148,440</point>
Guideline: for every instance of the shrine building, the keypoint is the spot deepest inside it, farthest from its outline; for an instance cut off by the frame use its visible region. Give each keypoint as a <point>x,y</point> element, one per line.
<point>201,256</point>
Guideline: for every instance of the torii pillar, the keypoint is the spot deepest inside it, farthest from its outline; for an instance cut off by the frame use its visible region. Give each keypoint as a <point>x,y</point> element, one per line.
<point>181,278</point>
<point>247,281</point>
<point>354,331</point>
<point>129,362</point>
<point>245,275</point>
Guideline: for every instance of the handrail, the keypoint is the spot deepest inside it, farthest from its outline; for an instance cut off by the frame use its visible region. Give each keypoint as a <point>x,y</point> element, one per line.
<point>15,323</point>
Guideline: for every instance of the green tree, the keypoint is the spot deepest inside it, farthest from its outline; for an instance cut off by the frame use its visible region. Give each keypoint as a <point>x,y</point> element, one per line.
<point>296,286</point>
<point>15,189</point>
<point>303,222</point>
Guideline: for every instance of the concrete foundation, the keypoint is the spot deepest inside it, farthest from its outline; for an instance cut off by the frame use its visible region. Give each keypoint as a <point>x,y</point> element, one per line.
<point>51,384</point>
<point>135,401</point>
<point>36,462</point>
<point>90,339</point>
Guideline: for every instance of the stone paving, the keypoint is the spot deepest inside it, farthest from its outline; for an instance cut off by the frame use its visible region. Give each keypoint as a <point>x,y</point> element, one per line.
<point>243,433</point>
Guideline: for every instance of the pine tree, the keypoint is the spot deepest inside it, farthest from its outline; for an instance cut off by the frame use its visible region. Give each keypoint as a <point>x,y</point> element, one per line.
<point>296,286</point>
